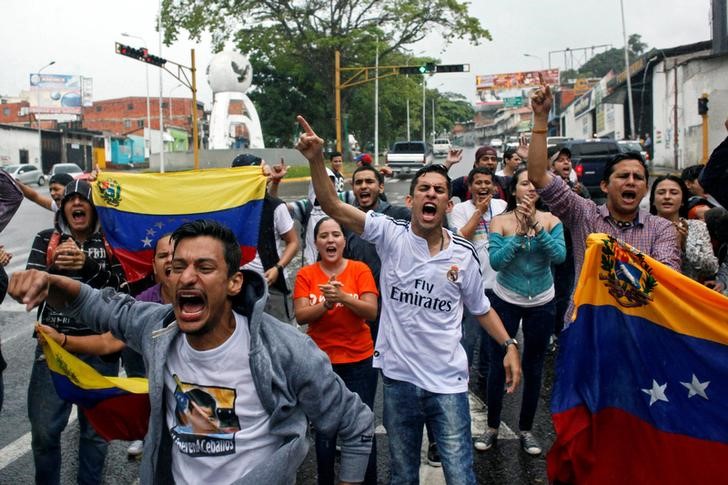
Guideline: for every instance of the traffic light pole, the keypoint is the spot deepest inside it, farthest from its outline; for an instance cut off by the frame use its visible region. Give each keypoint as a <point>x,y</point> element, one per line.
<point>362,75</point>
<point>187,76</point>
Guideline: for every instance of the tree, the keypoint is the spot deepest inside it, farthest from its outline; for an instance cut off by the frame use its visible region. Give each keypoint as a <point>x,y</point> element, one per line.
<point>613,59</point>
<point>291,44</point>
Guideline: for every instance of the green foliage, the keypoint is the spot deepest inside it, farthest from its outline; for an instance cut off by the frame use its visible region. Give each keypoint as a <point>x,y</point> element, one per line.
<point>291,46</point>
<point>611,60</point>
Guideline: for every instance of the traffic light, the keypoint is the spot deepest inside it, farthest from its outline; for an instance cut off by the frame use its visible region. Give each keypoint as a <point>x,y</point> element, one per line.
<point>431,67</point>
<point>703,105</point>
<point>451,68</point>
<point>140,54</point>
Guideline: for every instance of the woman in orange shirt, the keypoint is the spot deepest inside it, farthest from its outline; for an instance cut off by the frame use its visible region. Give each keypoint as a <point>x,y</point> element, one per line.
<point>335,297</point>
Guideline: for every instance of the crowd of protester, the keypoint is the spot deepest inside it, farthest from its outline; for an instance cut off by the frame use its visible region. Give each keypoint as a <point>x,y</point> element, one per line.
<point>410,295</point>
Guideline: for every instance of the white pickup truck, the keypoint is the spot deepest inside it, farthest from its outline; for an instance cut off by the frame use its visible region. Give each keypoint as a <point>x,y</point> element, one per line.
<point>406,157</point>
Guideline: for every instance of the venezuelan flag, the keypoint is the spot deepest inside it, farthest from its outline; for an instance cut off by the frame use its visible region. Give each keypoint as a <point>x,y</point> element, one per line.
<point>136,209</point>
<point>642,376</point>
<point>117,407</point>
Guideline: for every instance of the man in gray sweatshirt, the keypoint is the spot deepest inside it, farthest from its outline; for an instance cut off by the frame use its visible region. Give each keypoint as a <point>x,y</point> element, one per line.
<point>231,389</point>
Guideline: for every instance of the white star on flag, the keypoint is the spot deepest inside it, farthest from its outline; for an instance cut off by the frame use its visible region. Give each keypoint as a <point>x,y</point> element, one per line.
<point>147,242</point>
<point>151,232</point>
<point>695,387</point>
<point>160,224</point>
<point>657,392</point>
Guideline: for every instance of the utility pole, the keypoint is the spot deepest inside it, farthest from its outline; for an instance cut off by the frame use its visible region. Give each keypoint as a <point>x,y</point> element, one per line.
<point>629,75</point>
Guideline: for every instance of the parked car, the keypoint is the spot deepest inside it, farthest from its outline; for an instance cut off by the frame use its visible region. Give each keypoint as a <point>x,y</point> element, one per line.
<point>70,168</point>
<point>441,146</point>
<point>588,158</point>
<point>406,157</point>
<point>633,146</point>
<point>28,174</point>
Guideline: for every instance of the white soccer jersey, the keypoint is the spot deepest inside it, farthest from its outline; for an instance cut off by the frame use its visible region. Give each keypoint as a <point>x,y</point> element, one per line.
<point>422,305</point>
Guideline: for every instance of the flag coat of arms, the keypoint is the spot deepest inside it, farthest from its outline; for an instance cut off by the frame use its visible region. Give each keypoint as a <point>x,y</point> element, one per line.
<point>642,376</point>
<point>136,209</point>
<point>117,407</point>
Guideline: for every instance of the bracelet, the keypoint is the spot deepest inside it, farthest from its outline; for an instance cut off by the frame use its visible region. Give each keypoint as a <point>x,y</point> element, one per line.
<point>65,341</point>
<point>533,226</point>
<point>540,132</point>
<point>279,268</point>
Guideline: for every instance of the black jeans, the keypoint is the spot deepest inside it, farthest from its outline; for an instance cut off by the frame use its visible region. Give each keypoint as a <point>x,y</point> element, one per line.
<point>538,324</point>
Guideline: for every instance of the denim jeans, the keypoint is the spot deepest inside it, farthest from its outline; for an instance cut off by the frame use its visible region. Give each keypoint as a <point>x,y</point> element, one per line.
<point>406,410</point>
<point>49,415</point>
<point>361,378</point>
<point>538,325</point>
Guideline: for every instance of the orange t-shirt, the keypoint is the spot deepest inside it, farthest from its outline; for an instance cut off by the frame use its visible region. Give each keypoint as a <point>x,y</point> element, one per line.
<point>340,333</point>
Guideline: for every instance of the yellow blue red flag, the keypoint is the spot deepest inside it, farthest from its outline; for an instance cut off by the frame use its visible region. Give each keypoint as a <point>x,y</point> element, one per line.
<point>136,209</point>
<point>117,407</point>
<point>642,376</point>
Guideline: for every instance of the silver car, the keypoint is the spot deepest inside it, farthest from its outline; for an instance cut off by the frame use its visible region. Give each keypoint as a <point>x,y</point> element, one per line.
<point>28,174</point>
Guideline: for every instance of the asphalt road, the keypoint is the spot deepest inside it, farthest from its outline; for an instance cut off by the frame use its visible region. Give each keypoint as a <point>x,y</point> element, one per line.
<point>506,464</point>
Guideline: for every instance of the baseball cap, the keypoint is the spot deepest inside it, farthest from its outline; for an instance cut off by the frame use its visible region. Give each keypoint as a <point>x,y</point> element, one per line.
<point>246,160</point>
<point>364,159</point>
<point>559,152</point>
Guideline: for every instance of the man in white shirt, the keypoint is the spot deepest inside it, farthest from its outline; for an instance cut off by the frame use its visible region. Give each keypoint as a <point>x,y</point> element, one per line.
<point>471,219</point>
<point>427,275</point>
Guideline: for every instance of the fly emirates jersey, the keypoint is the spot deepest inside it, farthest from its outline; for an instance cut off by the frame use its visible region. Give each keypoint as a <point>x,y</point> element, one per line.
<point>422,305</point>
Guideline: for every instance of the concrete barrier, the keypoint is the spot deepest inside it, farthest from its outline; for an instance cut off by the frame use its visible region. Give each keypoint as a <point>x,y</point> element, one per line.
<point>176,161</point>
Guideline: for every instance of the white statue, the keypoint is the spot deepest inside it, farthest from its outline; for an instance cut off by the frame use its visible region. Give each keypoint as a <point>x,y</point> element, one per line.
<point>230,75</point>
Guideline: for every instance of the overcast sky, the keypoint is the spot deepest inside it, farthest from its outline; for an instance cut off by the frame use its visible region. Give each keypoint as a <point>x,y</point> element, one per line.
<point>80,36</point>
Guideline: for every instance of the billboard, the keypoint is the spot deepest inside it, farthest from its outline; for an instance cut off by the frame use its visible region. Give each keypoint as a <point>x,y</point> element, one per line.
<point>515,80</point>
<point>55,94</point>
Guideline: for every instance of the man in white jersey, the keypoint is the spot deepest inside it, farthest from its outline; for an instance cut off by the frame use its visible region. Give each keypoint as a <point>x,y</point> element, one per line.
<point>427,275</point>
<point>231,389</point>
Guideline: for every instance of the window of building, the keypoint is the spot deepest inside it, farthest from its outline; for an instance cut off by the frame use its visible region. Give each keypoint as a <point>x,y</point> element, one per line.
<point>140,123</point>
<point>98,108</point>
<point>130,106</point>
<point>127,123</point>
<point>6,111</point>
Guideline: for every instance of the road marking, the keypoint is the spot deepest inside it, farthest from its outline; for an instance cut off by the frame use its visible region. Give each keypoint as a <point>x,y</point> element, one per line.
<point>21,446</point>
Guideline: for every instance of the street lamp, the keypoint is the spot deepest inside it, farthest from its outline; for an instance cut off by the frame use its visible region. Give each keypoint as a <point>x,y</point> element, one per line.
<point>169,100</point>
<point>40,136</point>
<point>148,143</point>
<point>526,54</point>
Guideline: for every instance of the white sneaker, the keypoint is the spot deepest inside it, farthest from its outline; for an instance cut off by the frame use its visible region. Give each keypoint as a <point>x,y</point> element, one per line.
<point>135,448</point>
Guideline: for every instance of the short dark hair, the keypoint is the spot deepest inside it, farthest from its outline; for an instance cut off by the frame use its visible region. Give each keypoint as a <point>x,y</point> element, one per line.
<point>334,154</point>
<point>508,153</point>
<point>683,211</point>
<point>246,160</point>
<point>362,168</point>
<point>482,171</point>
<point>432,168</point>
<point>166,235</point>
<point>691,173</point>
<point>609,166</point>
<point>216,230</point>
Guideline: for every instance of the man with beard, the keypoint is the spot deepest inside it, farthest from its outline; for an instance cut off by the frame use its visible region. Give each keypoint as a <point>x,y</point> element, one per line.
<point>624,182</point>
<point>74,248</point>
<point>215,345</point>
<point>430,273</point>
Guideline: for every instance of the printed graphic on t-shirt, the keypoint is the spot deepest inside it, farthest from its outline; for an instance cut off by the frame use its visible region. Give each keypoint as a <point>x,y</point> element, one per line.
<point>205,420</point>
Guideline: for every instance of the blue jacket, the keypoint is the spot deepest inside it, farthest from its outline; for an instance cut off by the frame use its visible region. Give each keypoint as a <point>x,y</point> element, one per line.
<point>293,378</point>
<point>524,264</point>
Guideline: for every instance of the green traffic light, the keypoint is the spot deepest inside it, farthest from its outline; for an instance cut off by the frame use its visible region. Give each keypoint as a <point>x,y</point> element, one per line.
<point>423,69</point>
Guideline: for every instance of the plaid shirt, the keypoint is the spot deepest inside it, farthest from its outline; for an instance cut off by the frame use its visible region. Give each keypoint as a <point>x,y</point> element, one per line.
<point>652,235</point>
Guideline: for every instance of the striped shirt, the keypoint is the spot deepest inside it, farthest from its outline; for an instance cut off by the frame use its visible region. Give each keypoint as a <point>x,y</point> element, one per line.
<point>654,236</point>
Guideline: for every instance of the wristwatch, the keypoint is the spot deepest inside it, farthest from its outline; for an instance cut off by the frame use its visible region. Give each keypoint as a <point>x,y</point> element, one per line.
<point>510,341</point>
